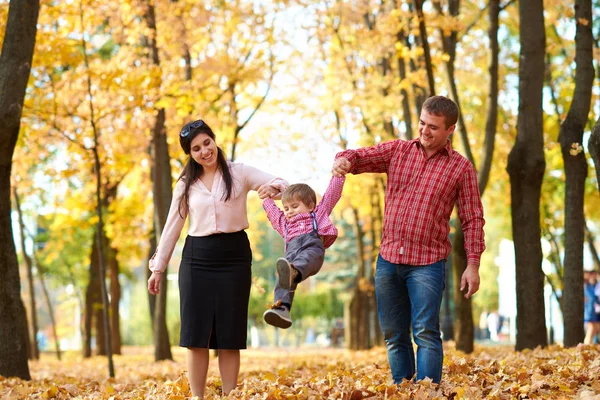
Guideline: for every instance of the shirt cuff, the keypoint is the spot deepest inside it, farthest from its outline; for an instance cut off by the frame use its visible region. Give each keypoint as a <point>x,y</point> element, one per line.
<point>474,260</point>
<point>153,265</point>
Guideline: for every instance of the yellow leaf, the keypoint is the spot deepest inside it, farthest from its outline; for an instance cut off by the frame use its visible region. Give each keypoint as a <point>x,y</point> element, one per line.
<point>270,376</point>
<point>51,392</point>
<point>583,21</point>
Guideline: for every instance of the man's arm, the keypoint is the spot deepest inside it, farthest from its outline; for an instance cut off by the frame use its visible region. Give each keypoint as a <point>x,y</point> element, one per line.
<point>470,212</point>
<point>470,280</point>
<point>366,159</point>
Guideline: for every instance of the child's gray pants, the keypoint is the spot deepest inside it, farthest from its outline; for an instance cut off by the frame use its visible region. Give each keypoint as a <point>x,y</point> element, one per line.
<point>306,253</point>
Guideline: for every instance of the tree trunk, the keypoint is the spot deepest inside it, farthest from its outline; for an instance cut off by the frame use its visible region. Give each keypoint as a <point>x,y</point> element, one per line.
<point>99,326</point>
<point>162,194</point>
<point>34,350</point>
<point>449,46</point>
<point>115,298</point>
<point>406,114</point>
<point>492,111</point>
<point>447,317</point>
<point>419,92</point>
<point>15,66</point>
<point>463,326</point>
<point>375,335</point>
<point>571,134</point>
<point>359,318</point>
<point>92,302</point>
<point>425,44</point>
<point>87,321</point>
<point>526,167</point>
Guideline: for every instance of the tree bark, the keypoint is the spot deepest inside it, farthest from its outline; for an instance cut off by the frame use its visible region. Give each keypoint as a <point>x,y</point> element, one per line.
<point>449,46</point>
<point>463,325</point>
<point>115,298</point>
<point>526,165</point>
<point>492,112</point>
<point>406,114</point>
<point>87,313</point>
<point>15,67</point>
<point>33,344</point>
<point>162,182</point>
<point>425,44</point>
<point>92,301</point>
<point>419,92</point>
<point>571,134</point>
<point>359,317</point>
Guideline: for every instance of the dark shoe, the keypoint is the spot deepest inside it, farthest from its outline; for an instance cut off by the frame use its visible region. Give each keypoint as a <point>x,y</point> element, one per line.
<point>287,274</point>
<point>278,316</point>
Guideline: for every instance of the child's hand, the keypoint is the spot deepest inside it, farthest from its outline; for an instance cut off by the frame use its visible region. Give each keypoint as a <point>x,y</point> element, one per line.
<point>267,191</point>
<point>341,166</point>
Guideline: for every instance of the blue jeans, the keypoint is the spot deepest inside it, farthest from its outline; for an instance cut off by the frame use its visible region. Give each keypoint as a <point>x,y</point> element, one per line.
<point>408,295</point>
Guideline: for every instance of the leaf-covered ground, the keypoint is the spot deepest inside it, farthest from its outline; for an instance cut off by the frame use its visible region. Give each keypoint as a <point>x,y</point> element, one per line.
<point>490,372</point>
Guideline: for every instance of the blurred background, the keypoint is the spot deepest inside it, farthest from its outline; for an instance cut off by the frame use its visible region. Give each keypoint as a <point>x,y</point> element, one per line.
<point>286,85</point>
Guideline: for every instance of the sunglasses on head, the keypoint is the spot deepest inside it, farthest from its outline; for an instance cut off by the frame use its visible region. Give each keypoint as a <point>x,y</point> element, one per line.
<point>189,128</point>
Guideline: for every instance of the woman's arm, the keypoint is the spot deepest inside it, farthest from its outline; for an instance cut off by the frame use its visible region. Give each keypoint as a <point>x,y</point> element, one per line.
<point>170,233</point>
<point>260,181</point>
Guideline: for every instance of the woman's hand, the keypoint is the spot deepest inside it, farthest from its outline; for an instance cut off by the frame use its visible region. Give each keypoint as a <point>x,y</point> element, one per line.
<point>154,282</point>
<point>267,191</point>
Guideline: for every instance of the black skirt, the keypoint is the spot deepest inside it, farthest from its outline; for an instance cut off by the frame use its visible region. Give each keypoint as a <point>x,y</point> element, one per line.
<point>214,288</point>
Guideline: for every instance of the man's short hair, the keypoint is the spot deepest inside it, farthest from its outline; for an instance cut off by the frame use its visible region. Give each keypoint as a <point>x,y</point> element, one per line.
<point>301,192</point>
<point>440,105</point>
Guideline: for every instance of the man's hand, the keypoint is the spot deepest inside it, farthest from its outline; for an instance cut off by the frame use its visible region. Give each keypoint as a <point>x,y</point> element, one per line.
<point>267,191</point>
<point>341,166</point>
<point>154,282</point>
<point>470,280</point>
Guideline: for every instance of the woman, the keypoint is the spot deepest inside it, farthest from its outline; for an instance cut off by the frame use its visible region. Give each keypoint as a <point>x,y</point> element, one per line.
<point>215,270</point>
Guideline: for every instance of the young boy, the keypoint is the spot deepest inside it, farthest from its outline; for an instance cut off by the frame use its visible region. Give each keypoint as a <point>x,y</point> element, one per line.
<point>307,232</point>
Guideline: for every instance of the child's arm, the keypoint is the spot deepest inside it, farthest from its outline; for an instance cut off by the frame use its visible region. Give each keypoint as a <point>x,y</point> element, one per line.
<point>332,194</point>
<point>275,215</point>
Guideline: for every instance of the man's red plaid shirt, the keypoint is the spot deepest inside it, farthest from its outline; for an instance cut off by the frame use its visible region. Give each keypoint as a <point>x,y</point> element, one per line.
<point>419,198</point>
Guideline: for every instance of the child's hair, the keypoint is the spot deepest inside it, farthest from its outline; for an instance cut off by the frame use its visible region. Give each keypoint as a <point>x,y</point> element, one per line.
<point>300,192</point>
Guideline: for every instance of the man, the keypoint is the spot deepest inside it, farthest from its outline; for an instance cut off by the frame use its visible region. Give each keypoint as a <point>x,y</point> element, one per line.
<point>425,179</point>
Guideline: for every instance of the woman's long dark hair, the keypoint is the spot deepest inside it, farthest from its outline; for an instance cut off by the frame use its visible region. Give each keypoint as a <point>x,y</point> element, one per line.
<point>192,170</point>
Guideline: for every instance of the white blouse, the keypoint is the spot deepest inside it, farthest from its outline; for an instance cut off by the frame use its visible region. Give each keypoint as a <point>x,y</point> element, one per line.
<point>208,213</point>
